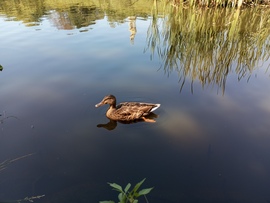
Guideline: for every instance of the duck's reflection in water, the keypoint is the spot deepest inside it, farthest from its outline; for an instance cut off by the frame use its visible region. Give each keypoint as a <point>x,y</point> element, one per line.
<point>112,124</point>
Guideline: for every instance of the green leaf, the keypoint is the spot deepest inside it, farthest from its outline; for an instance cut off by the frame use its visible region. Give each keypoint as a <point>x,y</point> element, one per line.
<point>122,197</point>
<point>145,191</point>
<point>137,186</point>
<point>106,201</point>
<point>116,187</point>
<point>127,187</point>
<point>135,201</point>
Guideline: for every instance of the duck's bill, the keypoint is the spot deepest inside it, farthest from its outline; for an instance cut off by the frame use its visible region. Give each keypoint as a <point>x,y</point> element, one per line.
<point>99,104</point>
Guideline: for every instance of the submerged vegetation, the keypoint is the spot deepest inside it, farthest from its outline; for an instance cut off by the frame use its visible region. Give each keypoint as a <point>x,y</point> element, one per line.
<point>129,196</point>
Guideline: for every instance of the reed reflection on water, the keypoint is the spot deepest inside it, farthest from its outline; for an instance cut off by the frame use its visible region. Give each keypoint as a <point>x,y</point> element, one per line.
<point>204,147</point>
<point>209,44</point>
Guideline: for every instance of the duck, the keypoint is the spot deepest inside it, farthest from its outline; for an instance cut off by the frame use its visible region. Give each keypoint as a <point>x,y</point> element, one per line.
<point>127,111</point>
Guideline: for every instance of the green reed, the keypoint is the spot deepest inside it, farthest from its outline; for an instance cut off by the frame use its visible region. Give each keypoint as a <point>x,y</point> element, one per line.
<point>205,44</point>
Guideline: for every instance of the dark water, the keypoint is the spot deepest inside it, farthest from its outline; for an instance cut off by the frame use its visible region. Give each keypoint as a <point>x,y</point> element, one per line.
<point>210,143</point>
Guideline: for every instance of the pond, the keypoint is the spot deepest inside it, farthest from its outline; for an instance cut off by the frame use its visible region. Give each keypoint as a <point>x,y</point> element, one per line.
<point>208,68</point>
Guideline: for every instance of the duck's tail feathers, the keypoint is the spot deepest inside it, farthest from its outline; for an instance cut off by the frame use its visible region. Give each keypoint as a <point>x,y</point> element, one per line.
<point>156,107</point>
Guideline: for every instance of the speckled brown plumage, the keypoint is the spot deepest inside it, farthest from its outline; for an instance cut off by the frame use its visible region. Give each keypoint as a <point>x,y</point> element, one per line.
<point>127,111</point>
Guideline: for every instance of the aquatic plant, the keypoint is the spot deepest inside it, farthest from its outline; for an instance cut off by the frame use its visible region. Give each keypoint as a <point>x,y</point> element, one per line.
<point>7,162</point>
<point>129,196</point>
<point>29,199</point>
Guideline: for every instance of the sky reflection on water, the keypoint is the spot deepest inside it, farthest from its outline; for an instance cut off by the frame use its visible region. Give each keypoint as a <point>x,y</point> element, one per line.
<point>204,147</point>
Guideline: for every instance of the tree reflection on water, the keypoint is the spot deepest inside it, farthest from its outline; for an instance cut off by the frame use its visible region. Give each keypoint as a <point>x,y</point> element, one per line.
<point>202,44</point>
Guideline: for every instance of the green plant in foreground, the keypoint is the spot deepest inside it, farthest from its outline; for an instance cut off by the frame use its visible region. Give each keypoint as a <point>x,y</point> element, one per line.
<point>127,196</point>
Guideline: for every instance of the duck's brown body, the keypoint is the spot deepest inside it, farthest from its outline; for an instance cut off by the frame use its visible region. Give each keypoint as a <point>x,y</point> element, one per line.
<point>127,111</point>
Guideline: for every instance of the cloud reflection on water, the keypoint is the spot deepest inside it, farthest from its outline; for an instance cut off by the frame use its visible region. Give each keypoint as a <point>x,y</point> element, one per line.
<point>181,126</point>
<point>204,146</point>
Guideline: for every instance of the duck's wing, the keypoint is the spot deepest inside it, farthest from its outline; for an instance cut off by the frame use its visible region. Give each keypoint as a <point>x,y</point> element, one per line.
<point>127,108</point>
<point>128,111</point>
<point>137,109</point>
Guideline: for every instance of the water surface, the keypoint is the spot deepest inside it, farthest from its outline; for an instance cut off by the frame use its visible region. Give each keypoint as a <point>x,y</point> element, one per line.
<point>210,142</point>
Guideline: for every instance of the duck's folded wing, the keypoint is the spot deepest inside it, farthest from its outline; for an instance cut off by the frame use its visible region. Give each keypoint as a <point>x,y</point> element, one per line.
<point>129,110</point>
<point>136,107</point>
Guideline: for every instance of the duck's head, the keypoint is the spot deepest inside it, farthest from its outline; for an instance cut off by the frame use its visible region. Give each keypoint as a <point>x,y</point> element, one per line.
<point>109,99</point>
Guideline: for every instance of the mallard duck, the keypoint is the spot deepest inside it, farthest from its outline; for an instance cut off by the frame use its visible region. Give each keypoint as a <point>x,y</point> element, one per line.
<point>127,111</point>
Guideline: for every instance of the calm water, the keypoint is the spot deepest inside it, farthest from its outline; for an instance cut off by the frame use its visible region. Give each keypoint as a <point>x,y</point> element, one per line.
<point>210,142</point>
